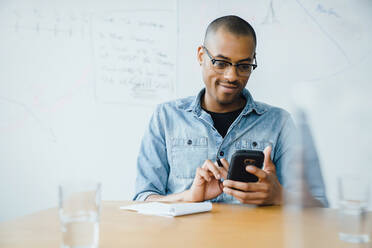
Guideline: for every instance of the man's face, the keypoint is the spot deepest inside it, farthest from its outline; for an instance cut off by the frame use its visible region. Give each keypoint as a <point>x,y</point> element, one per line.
<point>224,89</point>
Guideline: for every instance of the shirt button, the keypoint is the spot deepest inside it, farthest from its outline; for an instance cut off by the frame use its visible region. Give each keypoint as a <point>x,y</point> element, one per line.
<point>221,153</point>
<point>254,144</point>
<point>189,142</point>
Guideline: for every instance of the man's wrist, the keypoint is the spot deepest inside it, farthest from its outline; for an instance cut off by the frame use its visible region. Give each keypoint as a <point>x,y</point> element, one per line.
<point>187,196</point>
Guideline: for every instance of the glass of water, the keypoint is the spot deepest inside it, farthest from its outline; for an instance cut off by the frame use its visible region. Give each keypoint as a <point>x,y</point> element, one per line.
<point>79,210</point>
<point>354,226</point>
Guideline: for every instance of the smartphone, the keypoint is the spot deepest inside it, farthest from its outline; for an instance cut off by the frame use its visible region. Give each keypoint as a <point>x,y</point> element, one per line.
<point>239,160</point>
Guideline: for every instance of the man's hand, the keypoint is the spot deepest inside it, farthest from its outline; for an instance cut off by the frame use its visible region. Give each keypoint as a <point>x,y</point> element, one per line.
<point>267,191</point>
<point>207,184</point>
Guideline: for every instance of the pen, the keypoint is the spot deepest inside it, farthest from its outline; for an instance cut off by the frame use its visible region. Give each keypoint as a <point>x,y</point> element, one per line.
<point>219,162</point>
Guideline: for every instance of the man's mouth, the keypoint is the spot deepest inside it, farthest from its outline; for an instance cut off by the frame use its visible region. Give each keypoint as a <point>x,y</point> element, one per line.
<point>228,88</point>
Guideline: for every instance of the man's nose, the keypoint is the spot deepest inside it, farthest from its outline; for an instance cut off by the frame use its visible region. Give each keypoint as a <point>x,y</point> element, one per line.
<point>231,73</point>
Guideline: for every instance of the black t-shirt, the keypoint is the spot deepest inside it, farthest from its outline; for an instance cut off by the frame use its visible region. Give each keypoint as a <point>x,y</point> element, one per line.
<point>222,121</point>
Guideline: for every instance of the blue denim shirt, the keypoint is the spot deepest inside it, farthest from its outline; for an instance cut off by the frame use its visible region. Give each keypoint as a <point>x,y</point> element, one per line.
<point>181,136</point>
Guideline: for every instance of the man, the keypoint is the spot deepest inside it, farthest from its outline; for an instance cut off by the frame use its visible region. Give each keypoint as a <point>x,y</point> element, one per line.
<point>186,137</point>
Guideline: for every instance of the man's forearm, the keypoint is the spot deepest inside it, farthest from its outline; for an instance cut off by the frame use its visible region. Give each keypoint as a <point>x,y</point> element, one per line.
<point>182,197</point>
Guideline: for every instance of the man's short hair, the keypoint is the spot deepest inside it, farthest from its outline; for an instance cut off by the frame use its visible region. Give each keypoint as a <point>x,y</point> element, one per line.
<point>233,24</point>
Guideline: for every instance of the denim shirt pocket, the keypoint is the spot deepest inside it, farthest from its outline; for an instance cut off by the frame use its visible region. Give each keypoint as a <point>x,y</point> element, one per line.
<point>251,144</point>
<point>186,155</point>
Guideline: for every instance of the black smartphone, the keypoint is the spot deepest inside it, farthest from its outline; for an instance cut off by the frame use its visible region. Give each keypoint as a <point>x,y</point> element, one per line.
<point>239,160</point>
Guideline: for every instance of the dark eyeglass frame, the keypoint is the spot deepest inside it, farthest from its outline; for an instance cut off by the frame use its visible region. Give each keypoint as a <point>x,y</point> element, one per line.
<point>214,60</point>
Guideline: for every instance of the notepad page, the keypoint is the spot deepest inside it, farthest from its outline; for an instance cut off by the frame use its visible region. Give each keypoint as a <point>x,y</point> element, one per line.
<point>169,209</point>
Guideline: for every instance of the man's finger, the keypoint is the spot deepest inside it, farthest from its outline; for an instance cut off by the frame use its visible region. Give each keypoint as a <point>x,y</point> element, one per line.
<point>261,174</point>
<point>225,164</point>
<point>224,169</point>
<point>203,174</point>
<point>246,187</point>
<point>209,165</point>
<point>244,196</point>
<point>268,164</point>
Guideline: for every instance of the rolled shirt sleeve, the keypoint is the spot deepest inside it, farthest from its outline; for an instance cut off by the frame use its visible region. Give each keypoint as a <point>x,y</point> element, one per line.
<point>152,163</point>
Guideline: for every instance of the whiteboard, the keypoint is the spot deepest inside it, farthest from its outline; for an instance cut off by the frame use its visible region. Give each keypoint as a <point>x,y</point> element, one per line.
<point>80,79</point>
<point>75,95</point>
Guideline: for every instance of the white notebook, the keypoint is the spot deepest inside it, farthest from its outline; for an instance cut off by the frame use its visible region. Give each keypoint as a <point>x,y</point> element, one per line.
<point>169,209</point>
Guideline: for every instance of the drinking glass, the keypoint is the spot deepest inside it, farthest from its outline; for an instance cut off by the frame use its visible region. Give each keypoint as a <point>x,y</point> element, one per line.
<point>79,210</point>
<point>353,202</point>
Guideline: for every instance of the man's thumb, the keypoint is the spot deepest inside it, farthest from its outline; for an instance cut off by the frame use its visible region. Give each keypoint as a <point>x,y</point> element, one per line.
<point>268,164</point>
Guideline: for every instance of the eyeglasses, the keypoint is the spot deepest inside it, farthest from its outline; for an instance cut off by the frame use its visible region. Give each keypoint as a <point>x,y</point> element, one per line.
<point>220,66</point>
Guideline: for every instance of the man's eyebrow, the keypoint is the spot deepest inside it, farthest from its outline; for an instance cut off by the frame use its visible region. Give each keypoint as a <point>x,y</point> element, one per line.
<point>243,60</point>
<point>222,57</point>
<point>227,58</point>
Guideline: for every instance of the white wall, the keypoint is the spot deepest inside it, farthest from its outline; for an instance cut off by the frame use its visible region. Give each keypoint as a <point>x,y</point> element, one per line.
<point>70,106</point>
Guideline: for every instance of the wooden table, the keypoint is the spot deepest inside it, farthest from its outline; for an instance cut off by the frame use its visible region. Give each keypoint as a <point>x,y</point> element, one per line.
<point>225,226</point>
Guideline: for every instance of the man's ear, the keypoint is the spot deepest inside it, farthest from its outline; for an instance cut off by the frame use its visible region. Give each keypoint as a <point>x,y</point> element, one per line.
<point>200,54</point>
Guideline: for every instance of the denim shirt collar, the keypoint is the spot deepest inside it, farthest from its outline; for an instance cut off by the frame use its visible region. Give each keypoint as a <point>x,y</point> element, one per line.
<point>195,105</point>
